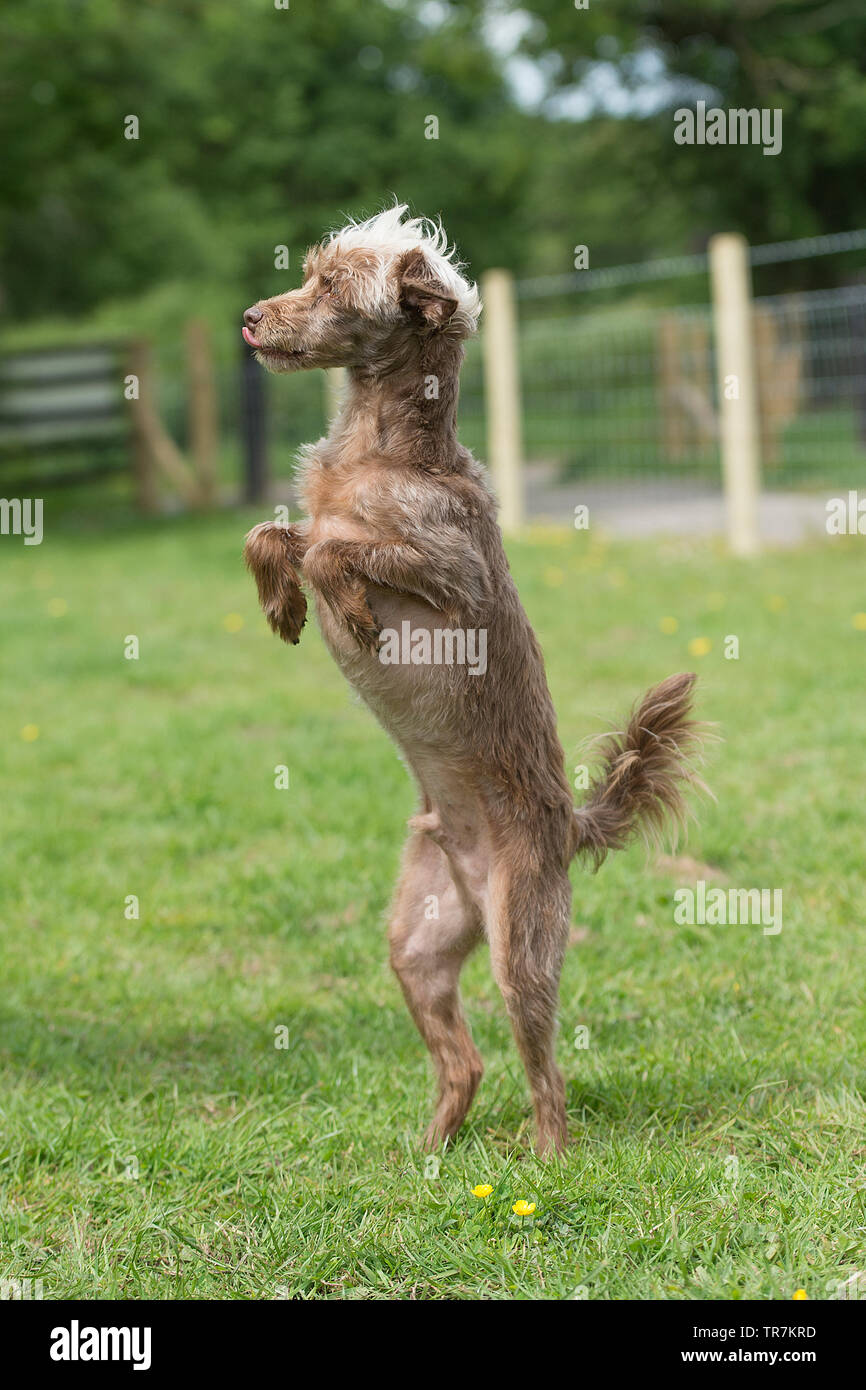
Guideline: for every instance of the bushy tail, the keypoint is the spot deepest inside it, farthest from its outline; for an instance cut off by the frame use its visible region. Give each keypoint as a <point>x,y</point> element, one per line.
<point>645,771</point>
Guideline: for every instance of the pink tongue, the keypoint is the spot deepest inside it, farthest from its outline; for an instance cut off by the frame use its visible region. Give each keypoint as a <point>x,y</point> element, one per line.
<point>248,338</point>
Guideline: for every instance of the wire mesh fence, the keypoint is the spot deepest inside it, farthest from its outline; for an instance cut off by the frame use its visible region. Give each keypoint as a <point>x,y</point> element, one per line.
<point>619,393</point>
<point>811,355</point>
<point>630,393</point>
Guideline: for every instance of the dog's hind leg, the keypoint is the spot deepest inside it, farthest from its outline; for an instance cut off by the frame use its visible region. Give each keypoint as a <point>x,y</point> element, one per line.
<point>527,924</point>
<point>432,931</point>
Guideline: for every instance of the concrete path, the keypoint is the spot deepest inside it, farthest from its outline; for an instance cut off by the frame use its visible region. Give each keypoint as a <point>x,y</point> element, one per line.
<point>669,507</point>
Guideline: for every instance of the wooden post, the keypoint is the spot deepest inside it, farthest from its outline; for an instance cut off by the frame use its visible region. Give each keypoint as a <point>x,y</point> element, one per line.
<point>502,392</point>
<point>857,358</point>
<point>202,410</point>
<point>155,448</point>
<point>705,421</point>
<point>253,427</point>
<point>144,472</point>
<point>766,357</point>
<point>669,376</point>
<point>738,411</point>
<point>336,381</point>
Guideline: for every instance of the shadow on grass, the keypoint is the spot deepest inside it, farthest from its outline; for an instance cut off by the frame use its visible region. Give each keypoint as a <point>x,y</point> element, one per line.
<point>136,1059</point>
<point>299,1048</point>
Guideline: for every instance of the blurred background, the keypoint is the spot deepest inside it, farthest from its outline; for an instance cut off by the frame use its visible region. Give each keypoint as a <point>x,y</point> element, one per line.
<point>166,164</point>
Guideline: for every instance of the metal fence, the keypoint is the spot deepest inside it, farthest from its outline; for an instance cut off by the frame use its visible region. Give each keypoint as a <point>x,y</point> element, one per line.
<point>811,355</point>
<point>630,393</point>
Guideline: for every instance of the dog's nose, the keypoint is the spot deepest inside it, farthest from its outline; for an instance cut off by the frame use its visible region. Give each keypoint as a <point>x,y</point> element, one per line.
<point>252,316</point>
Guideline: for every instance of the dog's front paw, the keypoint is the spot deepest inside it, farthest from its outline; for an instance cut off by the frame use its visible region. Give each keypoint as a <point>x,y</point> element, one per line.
<point>365,630</point>
<point>348,603</point>
<point>289,616</point>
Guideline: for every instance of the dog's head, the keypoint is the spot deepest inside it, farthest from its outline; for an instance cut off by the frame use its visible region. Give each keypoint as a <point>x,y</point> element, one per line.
<point>373,292</point>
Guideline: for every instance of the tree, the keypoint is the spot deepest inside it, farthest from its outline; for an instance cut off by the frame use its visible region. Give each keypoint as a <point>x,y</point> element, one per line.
<point>256,127</point>
<point>803,57</point>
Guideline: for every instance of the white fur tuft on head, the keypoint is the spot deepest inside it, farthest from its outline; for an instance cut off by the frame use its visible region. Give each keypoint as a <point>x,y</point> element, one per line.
<point>388,236</point>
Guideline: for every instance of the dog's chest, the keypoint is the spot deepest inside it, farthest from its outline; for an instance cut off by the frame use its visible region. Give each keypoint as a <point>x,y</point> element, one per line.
<point>414,700</point>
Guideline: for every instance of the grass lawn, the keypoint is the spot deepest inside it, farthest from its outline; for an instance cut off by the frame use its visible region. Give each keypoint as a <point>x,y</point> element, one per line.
<point>154,1139</point>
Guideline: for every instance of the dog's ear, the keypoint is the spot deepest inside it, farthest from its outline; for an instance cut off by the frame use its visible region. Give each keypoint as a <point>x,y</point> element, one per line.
<point>421,293</point>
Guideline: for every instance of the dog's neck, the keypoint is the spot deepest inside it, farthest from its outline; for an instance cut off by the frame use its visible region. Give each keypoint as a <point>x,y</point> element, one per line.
<point>407,415</point>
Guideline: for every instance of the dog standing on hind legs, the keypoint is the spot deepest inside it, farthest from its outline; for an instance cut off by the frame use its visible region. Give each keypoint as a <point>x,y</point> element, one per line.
<point>402,537</point>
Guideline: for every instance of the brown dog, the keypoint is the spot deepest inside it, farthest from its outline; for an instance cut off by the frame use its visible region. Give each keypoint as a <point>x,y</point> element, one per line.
<point>404,558</point>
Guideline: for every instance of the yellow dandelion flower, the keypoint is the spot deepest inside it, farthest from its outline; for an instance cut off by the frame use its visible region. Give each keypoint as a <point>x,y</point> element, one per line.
<point>523,1208</point>
<point>699,646</point>
<point>30,733</point>
<point>800,1294</point>
<point>859,621</point>
<point>776,603</point>
<point>233,622</point>
<point>58,607</point>
<point>669,626</point>
<point>482,1190</point>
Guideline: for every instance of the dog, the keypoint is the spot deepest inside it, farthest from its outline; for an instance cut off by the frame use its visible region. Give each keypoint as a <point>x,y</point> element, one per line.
<point>402,538</point>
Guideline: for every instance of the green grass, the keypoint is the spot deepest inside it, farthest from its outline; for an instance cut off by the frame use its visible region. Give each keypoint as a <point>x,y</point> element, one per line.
<point>153,1140</point>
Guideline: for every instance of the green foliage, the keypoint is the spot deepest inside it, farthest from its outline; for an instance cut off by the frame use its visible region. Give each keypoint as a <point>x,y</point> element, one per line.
<point>257,127</point>
<point>261,127</point>
<point>795,55</point>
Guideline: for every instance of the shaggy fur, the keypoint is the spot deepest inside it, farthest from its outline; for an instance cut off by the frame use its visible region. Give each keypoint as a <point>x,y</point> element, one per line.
<point>402,527</point>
